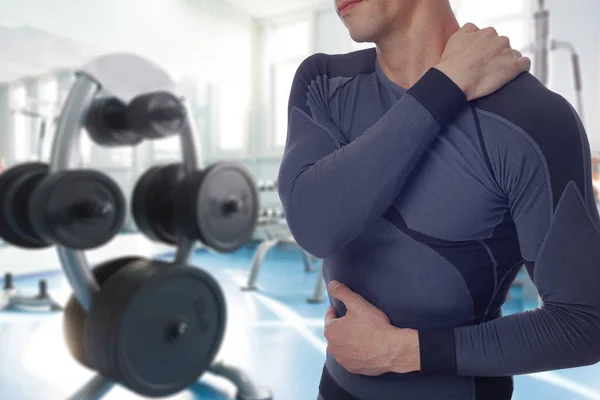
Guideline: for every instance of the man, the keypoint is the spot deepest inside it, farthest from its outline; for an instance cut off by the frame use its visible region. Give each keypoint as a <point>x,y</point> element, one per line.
<point>425,188</point>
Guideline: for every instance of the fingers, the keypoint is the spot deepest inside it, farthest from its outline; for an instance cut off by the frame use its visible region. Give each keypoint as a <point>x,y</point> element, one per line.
<point>470,27</point>
<point>330,315</point>
<point>490,31</point>
<point>524,64</point>
<point>344,294</point>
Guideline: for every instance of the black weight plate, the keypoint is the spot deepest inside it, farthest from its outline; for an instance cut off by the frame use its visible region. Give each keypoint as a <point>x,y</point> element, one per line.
<point>107,125</point>
<point>157,327</point>
<point>153,201</point>
<point>16,207</point>
<point>219,206</point>
<point>156,115</point>
<point>74,315</point>
<point>15,184</point>
<point>185,205</point>
<point>78,209</point>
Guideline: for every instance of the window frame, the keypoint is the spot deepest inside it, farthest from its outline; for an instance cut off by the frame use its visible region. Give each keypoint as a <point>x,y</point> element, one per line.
<point>269,146</point>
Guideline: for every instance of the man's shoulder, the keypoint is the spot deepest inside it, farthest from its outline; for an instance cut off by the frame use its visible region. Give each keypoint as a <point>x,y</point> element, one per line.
<point>528,105</point>
<point>529,123</point>
<point>546,118</point>
<point>346,65</point>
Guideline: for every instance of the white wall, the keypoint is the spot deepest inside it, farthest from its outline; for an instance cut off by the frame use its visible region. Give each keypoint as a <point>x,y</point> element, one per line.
<point>577,22</point>
<point>331,34</point>
<point>189,36</point>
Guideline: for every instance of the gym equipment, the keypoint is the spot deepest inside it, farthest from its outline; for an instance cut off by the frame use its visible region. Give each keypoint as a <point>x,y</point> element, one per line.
<point>543,45</point>
<point>156,115</point>
<point>267,186</point>
<point>218,206</point>
<point>16,186</point>
<point>79,209</point>
<point>156,328</point>
<point>151,326</point>
<point>271,218</point>
<point>112,123</point>
<point>74,325</point>
<point>152,205</point>
<point>107,125</point>
<point>269,214</point>
<point>10,299</point>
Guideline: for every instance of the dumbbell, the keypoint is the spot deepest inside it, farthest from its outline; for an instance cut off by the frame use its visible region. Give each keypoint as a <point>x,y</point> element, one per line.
<point>267,213</point>
<point>271,213</point>
<point>112,123</point>
<point>78,209</point>
<point>267,186</point>
<point>217,206</point>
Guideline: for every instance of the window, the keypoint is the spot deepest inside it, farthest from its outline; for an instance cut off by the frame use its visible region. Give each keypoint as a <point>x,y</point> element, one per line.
<point>48,97</point>
<point>287,46</point>
<point>18,100</point>
<point>509,17</point>
<point>283,76</point>
<point>233,87</point>
<point>48,108</point>
<point>166,149</point>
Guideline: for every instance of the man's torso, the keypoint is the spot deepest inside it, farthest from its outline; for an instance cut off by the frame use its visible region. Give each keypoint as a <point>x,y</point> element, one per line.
<point>446,252</point>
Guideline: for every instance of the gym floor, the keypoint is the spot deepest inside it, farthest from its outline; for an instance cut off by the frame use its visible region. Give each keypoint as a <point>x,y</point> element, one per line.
<point>273,334</point>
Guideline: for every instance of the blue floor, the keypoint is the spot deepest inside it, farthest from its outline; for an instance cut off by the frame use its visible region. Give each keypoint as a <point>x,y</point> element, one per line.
<point>274,334</point>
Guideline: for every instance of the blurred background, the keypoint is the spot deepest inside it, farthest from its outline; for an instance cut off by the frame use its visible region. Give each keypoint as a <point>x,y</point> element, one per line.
<point>234,60</point>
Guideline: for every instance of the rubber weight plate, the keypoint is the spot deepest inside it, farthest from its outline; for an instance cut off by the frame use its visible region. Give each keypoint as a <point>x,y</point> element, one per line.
<point>218,206</point>
<point>156,328</point>
<point>153,202</point>
<point>78,209</point>
<point>16,187</point>
<point>107,125</point>
<point>156,115</point>
<point>74,315</point>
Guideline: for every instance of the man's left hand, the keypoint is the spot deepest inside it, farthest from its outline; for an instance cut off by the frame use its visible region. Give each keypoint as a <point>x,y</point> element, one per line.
<point>364,341</point>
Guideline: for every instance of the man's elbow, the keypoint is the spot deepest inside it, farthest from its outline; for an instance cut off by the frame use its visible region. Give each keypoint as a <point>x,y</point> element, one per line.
<point>314,240</point>
<point>588,352</point>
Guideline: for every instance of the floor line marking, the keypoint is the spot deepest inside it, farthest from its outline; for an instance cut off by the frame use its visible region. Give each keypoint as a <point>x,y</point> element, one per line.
<point>294,319</point>
<point>565,383</point>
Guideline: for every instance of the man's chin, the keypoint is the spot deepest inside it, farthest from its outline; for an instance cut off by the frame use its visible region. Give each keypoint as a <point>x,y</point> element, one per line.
<point>360,38</point>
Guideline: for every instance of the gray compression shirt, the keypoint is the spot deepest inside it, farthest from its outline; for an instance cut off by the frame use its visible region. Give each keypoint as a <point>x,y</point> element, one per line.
<point>428,205</point>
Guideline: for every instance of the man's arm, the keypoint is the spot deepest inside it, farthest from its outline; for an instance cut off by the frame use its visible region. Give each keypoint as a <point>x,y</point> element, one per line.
<point>549,192</point>
<point>331,190</point>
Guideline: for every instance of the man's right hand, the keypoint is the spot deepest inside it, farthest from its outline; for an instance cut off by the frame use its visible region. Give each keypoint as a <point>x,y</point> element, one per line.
<point>481,62</point>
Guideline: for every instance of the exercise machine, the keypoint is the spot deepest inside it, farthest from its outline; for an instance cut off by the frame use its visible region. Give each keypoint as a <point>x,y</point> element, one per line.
<point>541,47</point>
<point>11,299</point>
<point>276,235</point>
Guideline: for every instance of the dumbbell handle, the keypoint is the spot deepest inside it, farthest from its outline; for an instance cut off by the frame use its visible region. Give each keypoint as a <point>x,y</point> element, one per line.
<point>89,210</point>
<point>166,114</point>
<point>232,206</point>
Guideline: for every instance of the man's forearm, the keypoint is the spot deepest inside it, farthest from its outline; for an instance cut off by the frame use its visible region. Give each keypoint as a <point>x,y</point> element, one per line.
<point>329,201</point>
<point>563,333</point>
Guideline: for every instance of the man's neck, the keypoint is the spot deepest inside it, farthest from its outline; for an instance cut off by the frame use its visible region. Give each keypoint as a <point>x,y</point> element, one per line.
<point>406,53</point>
